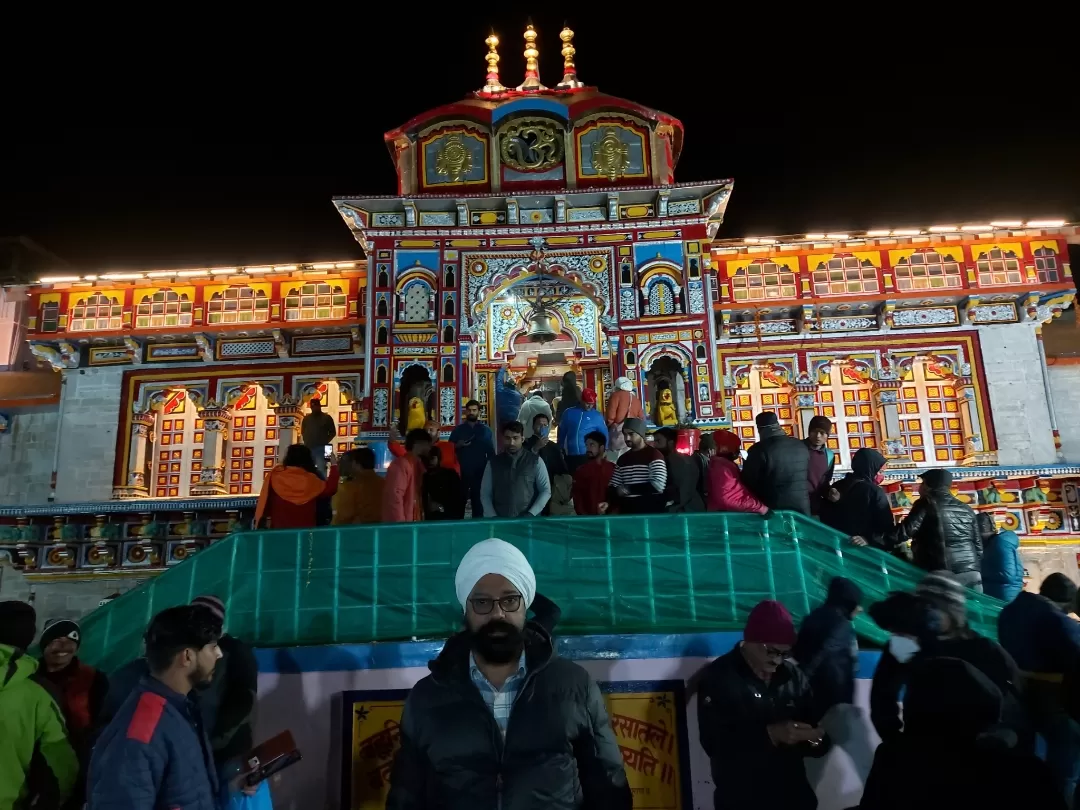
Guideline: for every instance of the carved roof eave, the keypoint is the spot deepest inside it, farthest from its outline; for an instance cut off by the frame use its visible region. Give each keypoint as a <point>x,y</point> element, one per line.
<point>713,195</point>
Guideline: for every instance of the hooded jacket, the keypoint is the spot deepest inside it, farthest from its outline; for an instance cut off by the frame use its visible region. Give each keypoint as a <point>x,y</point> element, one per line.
<point>944,534</point>
<point>949,755</point>
<point>534,405</point>
<point>776,470</point>
<point>569,396</point>
<point>36,758</point>
<point>507,398</point>
<point>290,495</point>
<point>576,424</point>
<point>622,404</point>
<point>826,649</point>
<point>1002,568</point>
<point>726,492</point>
<point>559,751</point>
<point>863,509</point>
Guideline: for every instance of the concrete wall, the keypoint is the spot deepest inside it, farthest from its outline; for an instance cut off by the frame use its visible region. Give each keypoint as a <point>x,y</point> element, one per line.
<point>1065,387</point>
<point>62,599</point>
<point>90,408</point>
<point>1017,397</point>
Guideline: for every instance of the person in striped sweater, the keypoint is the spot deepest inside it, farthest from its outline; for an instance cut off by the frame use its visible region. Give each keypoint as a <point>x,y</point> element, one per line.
<point>637,485</point>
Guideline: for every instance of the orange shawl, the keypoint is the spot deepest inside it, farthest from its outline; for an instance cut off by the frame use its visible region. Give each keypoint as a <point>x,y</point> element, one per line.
<point>293,484</point>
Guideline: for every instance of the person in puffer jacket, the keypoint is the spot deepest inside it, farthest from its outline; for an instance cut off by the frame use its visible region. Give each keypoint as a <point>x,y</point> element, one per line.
<point>777,467</point>
<point>862,511</point>
<point>1002,568</point>
<point>943,531</point>
<point>725,489</point>
<point>155,754</point>
<point>577,422</point>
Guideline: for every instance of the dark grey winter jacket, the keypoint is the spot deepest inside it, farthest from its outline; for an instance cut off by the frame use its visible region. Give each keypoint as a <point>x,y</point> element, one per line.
<point>559,753</point>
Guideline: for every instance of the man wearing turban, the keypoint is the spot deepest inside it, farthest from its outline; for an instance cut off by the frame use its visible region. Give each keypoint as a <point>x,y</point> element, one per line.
<point>501,721</point>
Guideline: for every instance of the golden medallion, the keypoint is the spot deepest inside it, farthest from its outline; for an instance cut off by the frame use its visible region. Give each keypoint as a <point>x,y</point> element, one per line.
<point>610,156</point>
<point>453,159</point>
<point>531,145</point>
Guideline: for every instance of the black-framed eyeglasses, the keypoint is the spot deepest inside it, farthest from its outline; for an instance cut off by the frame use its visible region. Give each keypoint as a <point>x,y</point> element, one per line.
<point>773,652</point>
<point>483,605</point>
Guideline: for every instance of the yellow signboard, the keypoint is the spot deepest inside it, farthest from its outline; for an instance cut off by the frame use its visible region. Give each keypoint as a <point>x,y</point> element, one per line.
<point>649,720</point>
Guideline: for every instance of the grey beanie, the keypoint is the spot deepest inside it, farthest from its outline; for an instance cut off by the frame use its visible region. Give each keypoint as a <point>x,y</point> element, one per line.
<point>635,425</point>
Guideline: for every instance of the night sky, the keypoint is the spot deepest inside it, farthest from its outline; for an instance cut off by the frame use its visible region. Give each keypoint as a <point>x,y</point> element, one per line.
<point>228,153</point>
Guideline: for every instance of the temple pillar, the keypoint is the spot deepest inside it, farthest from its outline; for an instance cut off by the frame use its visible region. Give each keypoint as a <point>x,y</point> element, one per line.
<point>216,419</point>
<point>887,407</point>
<point>142,436</point>
<point>289,417</point>
<point>968,400</point>
<point>806,402</point>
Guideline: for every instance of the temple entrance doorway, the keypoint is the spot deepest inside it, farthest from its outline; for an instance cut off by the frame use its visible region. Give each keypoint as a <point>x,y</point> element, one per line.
<point>665,392</point>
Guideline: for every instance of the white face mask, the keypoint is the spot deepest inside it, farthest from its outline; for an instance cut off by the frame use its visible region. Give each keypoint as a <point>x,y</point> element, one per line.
<point>903,649</point>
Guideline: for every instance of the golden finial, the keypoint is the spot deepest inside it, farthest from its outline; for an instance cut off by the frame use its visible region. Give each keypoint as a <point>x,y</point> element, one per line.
<point>493,84</point>
<point>532,68</point>
<point>569,79</point>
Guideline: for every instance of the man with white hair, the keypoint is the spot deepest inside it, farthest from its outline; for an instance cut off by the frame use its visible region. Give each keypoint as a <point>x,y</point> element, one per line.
<point>501,721</point>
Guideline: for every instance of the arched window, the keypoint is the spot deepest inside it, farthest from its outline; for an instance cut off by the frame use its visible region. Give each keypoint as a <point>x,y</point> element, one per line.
<point>448,335</point>
<point>695,268</point>
<point>95,312</point>
<point>844,396</point>
<point>631,358</point>
<point>238,305</point>
<point>162,309</point>
<point>253,440</point>
<point>997,267</point>
<point>448,276</point>
<point>626,273</point>
<point>316,302</point>
<point>661,299</point>
<point>416,303</point>
<point>930,414</point>
<point>761,281</point>
<point>380,308</point>
<point>49,315</point>
<point>448,373</point>
<point>699,352</point>
<point>380,336</point>
<point>178,448</point>
<point>448,306</point>
<point>927,270</point>
<point>384,279</point>
<point>845,275</point>
<point>761,389</point>
<point>380,375</point>
<point>1046,266</point>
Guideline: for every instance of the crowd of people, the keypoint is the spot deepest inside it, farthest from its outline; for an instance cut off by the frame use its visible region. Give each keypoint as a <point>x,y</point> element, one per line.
<point>502,721</point>
<point>168,730</point>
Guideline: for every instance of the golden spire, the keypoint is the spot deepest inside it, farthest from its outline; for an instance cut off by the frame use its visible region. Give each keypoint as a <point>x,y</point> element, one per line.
<point>532,68</point>
<point>493,84</point>
<point>569,79</point>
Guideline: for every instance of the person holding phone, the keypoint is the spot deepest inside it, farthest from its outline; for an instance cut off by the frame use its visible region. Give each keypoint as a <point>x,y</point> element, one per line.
<point>758,719</point>
<point>292,491</point>
<point>318,430</point>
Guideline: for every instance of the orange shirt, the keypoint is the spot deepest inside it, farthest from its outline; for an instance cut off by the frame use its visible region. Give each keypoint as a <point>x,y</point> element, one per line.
<point>446,449</point>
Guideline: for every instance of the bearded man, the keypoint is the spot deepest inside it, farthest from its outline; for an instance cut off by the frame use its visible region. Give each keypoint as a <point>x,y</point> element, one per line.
<point>501,721</point>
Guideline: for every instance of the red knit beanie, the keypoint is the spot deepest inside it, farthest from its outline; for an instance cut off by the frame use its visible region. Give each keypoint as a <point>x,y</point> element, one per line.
<point>769,623</point>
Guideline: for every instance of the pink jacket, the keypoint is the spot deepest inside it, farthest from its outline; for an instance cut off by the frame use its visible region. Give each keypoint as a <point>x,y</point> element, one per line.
<point>727,493</point>
<point>403,490</point>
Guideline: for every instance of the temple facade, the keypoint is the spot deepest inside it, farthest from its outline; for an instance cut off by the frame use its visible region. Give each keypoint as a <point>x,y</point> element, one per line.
<point>535,230</point>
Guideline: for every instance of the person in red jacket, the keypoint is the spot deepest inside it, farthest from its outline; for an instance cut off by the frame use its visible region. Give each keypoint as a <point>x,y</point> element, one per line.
<point>290,492</point>
<point>81,688</point>
<point>592,478</point>
<point>726,491</point>
<point>447,456</point>
<point>403,500</point>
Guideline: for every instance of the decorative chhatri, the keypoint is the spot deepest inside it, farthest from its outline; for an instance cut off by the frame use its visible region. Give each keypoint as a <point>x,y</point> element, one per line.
<point>532,66</point>
<point>569,79</point>
<point>493,85</point>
